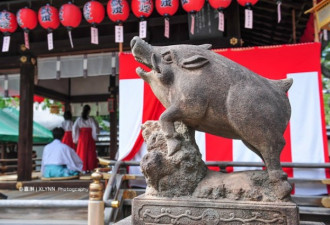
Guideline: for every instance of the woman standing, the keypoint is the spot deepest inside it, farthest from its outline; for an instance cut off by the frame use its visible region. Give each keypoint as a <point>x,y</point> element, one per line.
<point>67,126</point>
<point>84,132</point>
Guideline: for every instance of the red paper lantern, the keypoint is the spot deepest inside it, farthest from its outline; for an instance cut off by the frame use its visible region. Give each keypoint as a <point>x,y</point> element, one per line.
<point>8,23</point>
<point>248,12</point>
<point>192,6</point>
<point>27,19</point>
<point>94,12</point>
<point>219,4</point>
<point>48,17</point>
<point>70,15</point>
<point>142,8</point>
<point>118,10</point>
<point>167,7</point>
<point>247,2</point>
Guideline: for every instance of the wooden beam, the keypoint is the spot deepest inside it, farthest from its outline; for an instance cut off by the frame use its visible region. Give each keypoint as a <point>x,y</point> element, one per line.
<point>9,63</point>
<point>48,93</point>
<point>27,69</point>
<point>89,98</point>
<point>294,4</point>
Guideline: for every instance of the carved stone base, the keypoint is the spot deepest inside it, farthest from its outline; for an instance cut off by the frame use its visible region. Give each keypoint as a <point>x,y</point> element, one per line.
<point>193,211</point>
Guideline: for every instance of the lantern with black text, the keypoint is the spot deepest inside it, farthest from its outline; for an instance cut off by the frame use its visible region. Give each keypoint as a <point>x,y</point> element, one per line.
<point>142,9</point>
<point>94,13</point>
<point>248,12</point>
<point>27,19</point>
<point>192,7</point>
<point>70,17</point>
<point>167,8</point>
<point>49,20</point>
<point>8,25</point>
<point>220,5</point>
<point>118,12</point>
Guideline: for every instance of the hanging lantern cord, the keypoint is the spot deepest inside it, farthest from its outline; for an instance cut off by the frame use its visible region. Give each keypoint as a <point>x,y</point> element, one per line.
<point>220,9</point>
<point>142,18</point>
<point>248,5</point>
<point>49,30</point>
<point>166,16</point>
<point>94,25</point>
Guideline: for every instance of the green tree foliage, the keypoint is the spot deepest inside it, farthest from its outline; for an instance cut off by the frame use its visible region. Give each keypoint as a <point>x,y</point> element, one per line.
<point>9,102</point>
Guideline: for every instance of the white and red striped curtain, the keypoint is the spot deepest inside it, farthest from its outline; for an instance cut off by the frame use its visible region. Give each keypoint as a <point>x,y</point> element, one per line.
<point>306,140</point>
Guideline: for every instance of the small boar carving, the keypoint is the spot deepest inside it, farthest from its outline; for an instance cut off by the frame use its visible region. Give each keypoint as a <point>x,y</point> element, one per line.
<point>213,94</point>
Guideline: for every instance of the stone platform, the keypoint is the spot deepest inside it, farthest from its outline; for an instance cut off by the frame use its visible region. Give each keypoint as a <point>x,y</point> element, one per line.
<point>193,211</point>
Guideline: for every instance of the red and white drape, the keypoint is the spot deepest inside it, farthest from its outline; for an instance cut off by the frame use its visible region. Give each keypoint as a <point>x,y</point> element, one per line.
<point>306,140</point>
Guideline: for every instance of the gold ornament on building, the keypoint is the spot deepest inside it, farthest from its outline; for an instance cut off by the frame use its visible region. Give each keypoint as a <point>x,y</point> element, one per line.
<point>23,48</point>
<point>233,41</point>
<point>23,59</point>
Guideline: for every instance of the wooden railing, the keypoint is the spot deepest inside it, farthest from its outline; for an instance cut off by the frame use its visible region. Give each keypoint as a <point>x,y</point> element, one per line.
<point>9,166</point>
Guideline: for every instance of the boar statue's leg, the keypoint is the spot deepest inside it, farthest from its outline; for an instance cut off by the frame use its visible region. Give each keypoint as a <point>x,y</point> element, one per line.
<point>271,156</point>
<point>167,120</point>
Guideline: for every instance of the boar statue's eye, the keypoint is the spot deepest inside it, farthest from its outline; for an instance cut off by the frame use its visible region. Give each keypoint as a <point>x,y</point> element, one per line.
<point>167,57</point>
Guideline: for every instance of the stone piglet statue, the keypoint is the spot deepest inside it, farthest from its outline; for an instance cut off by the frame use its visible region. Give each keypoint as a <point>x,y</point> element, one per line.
<point>213,94</point>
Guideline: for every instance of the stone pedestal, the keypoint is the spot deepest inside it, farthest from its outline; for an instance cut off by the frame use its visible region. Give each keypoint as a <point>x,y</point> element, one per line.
<point>192,211</point>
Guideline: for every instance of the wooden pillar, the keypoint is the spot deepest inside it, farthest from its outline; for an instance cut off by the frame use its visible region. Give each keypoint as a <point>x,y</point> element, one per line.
<point>294,36</point>
<point>316,29</point>
<point>27,70</point>
<point>67,104</point>
<point>113,117</point>
<point>233,24</point>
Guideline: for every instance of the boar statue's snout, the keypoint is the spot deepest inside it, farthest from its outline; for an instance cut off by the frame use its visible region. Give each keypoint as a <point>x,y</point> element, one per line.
<point>133,41</point>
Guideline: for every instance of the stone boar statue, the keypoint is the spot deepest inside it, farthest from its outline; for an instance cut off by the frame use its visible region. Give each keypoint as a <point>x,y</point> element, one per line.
<point>213,94</point>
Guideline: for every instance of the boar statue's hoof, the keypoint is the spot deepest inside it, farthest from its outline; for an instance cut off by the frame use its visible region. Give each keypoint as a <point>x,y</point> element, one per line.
<point>280,184</point>
<point>173,145</point>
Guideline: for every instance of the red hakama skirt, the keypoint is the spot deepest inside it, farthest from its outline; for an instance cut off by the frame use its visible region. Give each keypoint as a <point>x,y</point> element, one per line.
<point>86,149</point>
<point>67,139</point>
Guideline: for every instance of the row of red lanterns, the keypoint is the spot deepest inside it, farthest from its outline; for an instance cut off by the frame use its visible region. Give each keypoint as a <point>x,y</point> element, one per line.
<point>70,16</point>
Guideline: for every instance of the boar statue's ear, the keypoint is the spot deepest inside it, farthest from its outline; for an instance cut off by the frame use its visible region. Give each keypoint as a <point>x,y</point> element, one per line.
<point>194,62</point>
<point>206,46</point>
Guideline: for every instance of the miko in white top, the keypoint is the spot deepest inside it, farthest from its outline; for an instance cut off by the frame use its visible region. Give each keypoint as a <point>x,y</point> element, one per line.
<point>81,123</point>
<point>57,153</point>
<point>67,125</point>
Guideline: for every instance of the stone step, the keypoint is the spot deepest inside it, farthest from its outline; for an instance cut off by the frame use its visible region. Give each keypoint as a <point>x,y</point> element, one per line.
<point>72,214</point>
<point>42,222</point>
